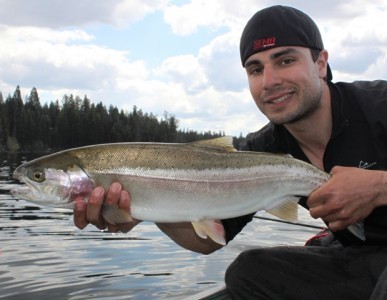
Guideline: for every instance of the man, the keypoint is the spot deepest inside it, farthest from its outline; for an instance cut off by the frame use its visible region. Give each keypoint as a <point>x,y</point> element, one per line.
<point>341,128</point>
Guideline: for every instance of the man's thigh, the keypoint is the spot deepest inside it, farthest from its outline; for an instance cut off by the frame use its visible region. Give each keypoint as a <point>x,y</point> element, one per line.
<point>306,272</point>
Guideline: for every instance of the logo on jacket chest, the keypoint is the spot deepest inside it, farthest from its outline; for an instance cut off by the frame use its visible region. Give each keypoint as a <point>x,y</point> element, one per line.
<point>366,165</point>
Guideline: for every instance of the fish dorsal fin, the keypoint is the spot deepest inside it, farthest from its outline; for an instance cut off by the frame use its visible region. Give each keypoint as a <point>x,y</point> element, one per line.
<point>221,143</point>
<point>286,211</point>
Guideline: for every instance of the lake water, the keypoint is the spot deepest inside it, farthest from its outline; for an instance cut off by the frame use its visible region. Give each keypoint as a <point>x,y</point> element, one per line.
<point>44,256</point>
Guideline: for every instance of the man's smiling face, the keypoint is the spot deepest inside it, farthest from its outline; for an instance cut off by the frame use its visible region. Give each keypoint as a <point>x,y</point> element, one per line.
<point>286,83</point>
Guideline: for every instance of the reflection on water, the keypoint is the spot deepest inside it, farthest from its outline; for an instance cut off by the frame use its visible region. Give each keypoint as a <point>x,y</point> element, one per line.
<point>43,255</point>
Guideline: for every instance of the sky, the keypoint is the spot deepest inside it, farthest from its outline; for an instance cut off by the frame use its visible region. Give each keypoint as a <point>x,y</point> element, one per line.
<point>174,56</point>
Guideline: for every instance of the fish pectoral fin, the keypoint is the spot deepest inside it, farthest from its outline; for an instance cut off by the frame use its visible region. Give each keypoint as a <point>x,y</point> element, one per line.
<point>210,228</point>
<point>286,211</point>
<point>114,215</point>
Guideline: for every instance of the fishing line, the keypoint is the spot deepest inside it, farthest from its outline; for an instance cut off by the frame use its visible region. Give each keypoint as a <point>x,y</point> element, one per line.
<point>287,222</point>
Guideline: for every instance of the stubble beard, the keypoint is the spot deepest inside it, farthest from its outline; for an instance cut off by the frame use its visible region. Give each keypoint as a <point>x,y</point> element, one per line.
<point>306,108</point>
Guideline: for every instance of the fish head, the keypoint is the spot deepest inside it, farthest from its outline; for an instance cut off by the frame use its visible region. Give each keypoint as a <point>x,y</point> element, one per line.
<point>51,182</point>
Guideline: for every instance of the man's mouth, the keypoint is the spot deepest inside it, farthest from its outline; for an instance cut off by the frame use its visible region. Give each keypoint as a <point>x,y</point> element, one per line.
<point>277,99</point>
<point>280,99</point>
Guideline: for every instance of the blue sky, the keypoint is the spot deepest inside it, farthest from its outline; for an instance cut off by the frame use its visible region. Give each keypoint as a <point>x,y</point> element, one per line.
<point>163,55</point>
<point>150,39</point>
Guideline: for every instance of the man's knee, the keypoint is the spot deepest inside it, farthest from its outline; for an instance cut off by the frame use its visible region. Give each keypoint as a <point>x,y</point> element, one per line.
<point>243,275</point>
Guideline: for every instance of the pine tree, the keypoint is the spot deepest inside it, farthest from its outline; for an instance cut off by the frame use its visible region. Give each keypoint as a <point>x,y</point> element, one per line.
<point>3,124</point>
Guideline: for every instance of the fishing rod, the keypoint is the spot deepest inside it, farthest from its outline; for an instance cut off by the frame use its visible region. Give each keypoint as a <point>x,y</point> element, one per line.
<point>287,222</point>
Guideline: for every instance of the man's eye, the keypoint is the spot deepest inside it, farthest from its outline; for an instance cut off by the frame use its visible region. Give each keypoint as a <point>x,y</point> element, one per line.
<point>255,70</point>
<point>287,61</point>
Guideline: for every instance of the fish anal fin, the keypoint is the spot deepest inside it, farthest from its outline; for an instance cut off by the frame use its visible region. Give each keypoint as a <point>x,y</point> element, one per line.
<point>286,211</point>
<point>210,228</point>
<point>114,215</point>
<point>224,143</point>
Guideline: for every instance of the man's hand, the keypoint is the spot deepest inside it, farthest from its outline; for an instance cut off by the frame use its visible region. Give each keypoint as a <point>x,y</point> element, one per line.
<point>90,212</point>
<point>348,197</point>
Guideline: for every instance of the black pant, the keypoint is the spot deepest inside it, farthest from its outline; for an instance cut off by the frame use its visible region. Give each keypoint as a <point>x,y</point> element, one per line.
<point>316,273</point>
<point>380,291</point>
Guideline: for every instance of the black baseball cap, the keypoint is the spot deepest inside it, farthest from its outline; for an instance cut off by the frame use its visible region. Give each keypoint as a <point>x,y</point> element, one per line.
<point>277,26</point>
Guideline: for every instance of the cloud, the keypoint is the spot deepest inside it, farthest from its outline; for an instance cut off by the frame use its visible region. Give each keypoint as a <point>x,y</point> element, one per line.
<point>185,19</point>
<point>184,70</point>
<point>58,13</point>
<point>221,63</point>
<point>47,58</point>
<point>358,60</point>
<point>357,44</point>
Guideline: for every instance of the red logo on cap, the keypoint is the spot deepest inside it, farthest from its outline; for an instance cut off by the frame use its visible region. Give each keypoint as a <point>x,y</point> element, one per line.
<point>262,43</point>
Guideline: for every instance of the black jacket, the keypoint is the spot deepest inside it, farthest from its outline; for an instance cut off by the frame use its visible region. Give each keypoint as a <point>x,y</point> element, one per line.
<point>359,139</point>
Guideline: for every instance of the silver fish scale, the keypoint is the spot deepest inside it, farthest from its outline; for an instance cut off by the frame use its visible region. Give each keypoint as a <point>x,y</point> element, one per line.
<point>174,195</point>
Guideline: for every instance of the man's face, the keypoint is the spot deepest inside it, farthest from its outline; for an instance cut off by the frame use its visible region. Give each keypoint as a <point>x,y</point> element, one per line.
<point>285,83</point>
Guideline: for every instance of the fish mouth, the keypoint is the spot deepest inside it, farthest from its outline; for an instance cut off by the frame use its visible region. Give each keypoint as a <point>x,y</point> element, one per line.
<point>21,191</point>
<point>27,191</point>
<point>32,194</point>
<point>17,174</point>
<point>46,195</point>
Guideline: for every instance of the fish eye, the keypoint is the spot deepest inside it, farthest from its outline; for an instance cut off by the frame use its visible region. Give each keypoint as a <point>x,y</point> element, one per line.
<point>37,175</point>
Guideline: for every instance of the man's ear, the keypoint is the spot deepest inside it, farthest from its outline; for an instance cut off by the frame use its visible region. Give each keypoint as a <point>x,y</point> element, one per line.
<point>322,63</point>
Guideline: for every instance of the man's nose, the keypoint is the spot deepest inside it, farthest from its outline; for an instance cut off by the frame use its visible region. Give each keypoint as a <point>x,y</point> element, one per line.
<point>270,77</point>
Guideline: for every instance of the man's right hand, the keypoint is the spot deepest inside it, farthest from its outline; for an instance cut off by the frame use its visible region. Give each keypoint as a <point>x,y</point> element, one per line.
<point>90,211</point>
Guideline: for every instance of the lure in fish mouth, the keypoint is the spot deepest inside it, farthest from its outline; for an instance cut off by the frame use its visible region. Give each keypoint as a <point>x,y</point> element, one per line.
<point>54,186</point>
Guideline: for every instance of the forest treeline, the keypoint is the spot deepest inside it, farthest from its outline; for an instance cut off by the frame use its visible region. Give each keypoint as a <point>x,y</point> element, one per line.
<point>29,126</point>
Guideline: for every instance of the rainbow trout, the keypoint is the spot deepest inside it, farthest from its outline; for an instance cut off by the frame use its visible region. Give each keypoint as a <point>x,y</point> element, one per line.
<point>195,182</point>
